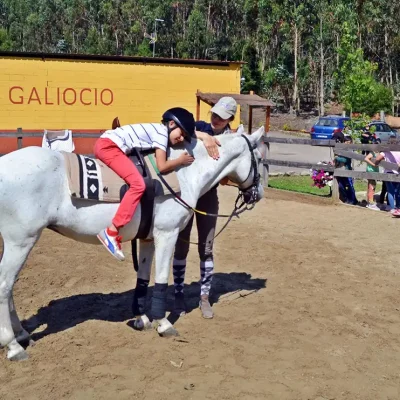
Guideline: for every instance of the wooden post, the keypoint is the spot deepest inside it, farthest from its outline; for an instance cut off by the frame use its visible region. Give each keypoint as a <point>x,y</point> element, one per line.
<point>198,108</point>
<point>267,118</point>
<point>250,119</point>
<point>335,189</point>
<point>19,138</point>
<point>264,168</point>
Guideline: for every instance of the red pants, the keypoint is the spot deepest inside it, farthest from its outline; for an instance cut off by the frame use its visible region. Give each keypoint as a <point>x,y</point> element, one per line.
<point>108,152</point>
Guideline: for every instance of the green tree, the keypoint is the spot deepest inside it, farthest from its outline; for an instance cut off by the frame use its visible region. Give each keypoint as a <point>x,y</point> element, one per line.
<point>358,90</point>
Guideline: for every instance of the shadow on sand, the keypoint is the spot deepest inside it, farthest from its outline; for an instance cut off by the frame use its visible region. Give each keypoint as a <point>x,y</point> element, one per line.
<point>68,312</point>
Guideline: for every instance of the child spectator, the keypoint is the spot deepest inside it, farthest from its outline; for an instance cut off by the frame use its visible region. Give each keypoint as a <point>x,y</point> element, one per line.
<point>371,167</point>
<point>347,193</point>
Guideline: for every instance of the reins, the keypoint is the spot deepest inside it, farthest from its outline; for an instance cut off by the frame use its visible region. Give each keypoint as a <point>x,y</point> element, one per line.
<point>237,210</point>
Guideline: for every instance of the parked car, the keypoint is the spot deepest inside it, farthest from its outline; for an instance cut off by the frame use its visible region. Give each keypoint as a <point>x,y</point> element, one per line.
<point>383,131</point>
<point>327,126</point>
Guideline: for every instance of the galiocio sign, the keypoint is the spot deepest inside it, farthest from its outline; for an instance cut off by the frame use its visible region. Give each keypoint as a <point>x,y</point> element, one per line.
<point>61,96</point>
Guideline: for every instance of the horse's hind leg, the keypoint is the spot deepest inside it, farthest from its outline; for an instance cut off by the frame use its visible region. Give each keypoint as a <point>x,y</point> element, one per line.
<point>15,254</point>
<point>145,260</point>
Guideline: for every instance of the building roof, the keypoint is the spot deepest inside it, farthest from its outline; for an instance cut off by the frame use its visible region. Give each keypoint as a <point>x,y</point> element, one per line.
<point>96,57</point>
<point>252,100</point>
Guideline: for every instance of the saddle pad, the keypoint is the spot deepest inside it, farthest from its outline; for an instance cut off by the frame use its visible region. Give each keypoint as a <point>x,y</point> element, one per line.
<point>91,179</point>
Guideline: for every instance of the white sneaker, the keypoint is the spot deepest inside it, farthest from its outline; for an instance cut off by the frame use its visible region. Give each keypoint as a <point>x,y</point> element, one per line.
<point>373,207</point>
<point>112,243</point>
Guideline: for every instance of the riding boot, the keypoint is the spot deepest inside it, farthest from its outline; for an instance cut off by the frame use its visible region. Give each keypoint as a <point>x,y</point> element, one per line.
<point>205,307</point>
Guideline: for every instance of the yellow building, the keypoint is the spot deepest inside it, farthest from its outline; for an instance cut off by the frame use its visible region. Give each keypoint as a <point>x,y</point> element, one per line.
<point>86,92</point>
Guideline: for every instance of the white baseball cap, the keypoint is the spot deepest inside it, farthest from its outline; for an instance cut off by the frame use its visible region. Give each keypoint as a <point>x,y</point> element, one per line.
<point>225,108</point>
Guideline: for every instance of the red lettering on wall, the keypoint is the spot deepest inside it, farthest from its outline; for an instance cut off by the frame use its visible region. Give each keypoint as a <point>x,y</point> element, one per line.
<point>36,98</point>
<point>102,96</point>
<point>81,96</point>
<point>46,98</point>
<point>61,96</point>
<point>65,96</point>
<point>21,98</point>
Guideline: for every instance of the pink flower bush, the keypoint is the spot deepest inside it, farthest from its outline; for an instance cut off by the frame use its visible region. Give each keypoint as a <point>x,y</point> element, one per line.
<point>321,178</point>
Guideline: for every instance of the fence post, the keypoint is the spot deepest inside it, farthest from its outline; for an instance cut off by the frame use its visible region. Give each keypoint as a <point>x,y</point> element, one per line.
<point>264,168</point>
<point>19,138</point>
<point>335,189</point>
<point>383,116</point>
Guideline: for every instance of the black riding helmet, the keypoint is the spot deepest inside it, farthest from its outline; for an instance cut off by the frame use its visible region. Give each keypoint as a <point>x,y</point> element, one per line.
<point>183,118</point>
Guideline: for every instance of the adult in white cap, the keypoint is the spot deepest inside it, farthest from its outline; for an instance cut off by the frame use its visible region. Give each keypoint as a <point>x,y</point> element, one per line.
<point>222,114</point>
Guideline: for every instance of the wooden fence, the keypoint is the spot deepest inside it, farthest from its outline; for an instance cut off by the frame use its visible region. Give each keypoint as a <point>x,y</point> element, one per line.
<point>346,150</point>
<point>19,135</point>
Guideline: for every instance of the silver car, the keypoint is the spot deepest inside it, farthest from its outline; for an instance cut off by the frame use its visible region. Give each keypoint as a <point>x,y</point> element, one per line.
<point>383,131</point>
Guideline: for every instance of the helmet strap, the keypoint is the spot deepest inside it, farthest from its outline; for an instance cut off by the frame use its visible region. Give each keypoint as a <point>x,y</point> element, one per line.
<point>171,128</point>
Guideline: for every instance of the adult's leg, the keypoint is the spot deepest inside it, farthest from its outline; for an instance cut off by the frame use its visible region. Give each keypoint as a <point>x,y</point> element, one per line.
<point>350,192</point>
<point>383,193</point>
<point>390,192</point>
<point>342,189</point>
<point>396,194</point>
<point>206,232</point>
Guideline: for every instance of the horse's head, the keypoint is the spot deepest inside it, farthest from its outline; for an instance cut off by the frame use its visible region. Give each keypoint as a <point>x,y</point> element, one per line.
<point>245,172</point>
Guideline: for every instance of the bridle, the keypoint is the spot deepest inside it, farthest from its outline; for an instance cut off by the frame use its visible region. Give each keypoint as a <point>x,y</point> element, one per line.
<point>245,200</point>
<point>250,194</point>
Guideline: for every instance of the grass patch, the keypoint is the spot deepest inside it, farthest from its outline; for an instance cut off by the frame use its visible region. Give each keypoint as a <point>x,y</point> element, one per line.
<point>304,184</point>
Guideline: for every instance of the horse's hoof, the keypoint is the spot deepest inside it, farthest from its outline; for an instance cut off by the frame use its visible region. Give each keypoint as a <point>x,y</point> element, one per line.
<point>169,332</point>
<point>139,325</point>
<point>21,356</point>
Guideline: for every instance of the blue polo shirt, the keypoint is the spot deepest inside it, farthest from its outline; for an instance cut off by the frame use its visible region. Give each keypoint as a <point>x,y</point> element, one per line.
<point>203,126</point>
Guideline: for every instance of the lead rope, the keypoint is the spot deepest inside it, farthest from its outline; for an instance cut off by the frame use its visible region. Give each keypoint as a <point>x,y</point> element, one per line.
<point>237,210</point>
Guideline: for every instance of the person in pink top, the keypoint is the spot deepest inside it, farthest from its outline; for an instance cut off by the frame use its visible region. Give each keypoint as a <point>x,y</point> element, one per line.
<point>393,188</point>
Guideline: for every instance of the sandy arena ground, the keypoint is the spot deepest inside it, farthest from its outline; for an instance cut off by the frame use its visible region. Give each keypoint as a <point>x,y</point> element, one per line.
<point>306,297</point>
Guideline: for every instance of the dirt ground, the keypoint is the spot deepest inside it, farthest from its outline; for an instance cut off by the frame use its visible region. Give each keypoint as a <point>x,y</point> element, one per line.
<point>306,297</point>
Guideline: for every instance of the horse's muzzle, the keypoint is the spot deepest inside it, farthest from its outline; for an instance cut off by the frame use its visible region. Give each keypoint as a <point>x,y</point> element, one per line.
<point>251,195</point>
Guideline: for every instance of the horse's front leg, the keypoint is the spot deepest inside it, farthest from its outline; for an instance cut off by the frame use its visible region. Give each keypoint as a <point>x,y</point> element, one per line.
<point>21,335</point>
<point>165,244</point>
<point>145,260</point>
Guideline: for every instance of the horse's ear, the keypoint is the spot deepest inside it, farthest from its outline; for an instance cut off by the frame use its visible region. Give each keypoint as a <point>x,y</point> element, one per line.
<point>240,129</point>
<point>256,136</point>
<point>116,124</point>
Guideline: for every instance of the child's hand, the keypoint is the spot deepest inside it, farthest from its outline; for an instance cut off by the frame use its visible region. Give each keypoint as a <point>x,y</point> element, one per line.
<point>186,158</point>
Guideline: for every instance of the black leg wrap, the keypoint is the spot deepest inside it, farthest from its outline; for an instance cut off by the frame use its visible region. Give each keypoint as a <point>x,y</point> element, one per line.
<point>139,298</point>
<point>159,302</point>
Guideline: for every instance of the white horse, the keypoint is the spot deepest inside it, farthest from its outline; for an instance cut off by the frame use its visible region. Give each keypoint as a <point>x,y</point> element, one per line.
<point>34,195</point>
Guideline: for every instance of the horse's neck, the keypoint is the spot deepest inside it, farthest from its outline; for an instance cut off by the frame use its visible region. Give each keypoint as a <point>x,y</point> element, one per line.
<point>205,172</point>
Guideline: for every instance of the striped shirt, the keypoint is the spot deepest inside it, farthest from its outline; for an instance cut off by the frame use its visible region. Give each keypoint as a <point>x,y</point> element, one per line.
<point>139,136</point>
